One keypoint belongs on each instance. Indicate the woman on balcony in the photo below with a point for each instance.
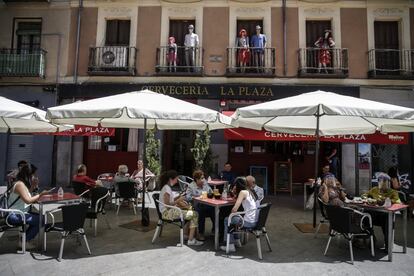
(242, 47)
(172, 55)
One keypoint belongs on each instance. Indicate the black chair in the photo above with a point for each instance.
(324, 216)
(349, 223)
(161, 221)
(127, 191)
(6, 226)
(259, 230)
(73, 218)
(81, 189)
(99, 196)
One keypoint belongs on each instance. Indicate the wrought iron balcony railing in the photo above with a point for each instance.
(323, 63)
(391, 63)
(112, 60)
(22, 63)
(182, 61)
(252, 61)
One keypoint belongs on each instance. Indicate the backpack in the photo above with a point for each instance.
(4, 204)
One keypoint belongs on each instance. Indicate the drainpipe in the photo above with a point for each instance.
(78, 30)
(284, 37)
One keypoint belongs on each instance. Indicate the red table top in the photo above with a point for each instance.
(216, 202)
(217, 182)
(394, 208)
(54, 197)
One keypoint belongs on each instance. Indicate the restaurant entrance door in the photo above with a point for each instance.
(176, 154)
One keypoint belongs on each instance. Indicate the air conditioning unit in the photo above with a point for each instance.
(112, 57)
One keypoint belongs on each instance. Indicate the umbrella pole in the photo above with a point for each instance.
(316, 167)
(144, 211)
(6, 156)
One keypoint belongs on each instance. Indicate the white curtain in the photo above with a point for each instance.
(133, 139)
(94, 142)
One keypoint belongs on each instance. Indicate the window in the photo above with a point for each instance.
(28, 35)
(117, 32)
(123, 140)
(178, 29)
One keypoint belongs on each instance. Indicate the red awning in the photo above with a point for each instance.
(261, 135)
(377, 138)
(87, 131)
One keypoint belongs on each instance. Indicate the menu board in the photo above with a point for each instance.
(283, 176)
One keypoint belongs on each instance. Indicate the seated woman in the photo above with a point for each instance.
(331, 192)
(122, 176)
(380, 193)
(82, 177)
(137, 175)
(169, 179)
(247, 198)
(195, 189)
(21, 199)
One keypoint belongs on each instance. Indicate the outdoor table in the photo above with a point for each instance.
(107, 181)
(390, 211)
(216, 182)
(217, 204)
(67, 198)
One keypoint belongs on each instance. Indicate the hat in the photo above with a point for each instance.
(191, 26)
(258, 27)
(383, 177)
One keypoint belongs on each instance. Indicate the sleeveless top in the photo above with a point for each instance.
(20, 204)
(248, 204)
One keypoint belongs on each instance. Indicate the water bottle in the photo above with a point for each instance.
(319, 181)
(209, 179)
(60, 192)
(387, 203)
(224, 194)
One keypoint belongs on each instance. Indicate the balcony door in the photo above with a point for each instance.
(178, 30)
(117, 32)
(249, 26)
(28, 36)
(314, 30)
(387, 55)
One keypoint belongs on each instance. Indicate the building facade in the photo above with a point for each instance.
(61, 51)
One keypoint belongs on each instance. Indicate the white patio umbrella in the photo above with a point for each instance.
(325, 113)
(140, 109)
(16, 117)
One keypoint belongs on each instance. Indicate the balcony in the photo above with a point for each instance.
(112, 61)
(253, 62)
(391, 64)
(188, 61)
(22, 63)
(310, 65)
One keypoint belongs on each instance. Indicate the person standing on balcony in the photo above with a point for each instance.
(172, 54)
(325, 42)
(259, 44)
(242, 47)
(191, 42)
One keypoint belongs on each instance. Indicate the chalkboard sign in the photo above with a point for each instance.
(260, 174)
(283, 176)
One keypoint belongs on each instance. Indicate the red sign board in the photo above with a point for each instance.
(87, 131)
(377, 138)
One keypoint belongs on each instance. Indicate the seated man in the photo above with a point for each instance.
(82, 177)
(195, 189)
(227, 174)
(380, 193)
(331, 192)
(251, 184)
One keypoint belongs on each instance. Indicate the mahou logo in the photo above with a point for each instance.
(395, 137)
